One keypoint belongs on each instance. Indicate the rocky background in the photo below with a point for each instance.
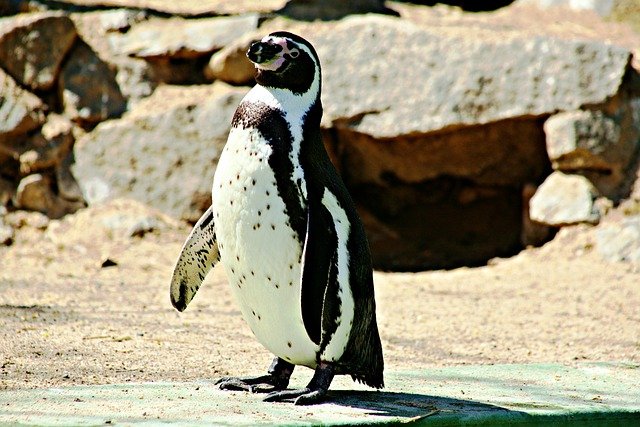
(462, 135)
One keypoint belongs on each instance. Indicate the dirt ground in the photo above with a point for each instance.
(69, 317)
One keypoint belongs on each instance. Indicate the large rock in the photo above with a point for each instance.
(89, 89)
(163, 152)
(563, 200)
(188, 38)
(366, 89)
(20, 111)
(33, 46)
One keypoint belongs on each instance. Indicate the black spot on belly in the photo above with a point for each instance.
(289, 344)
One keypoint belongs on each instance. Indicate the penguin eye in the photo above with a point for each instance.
(294, 53)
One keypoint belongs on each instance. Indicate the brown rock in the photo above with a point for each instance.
(35, 193)
(7, 191)
(20, 111)
(33, 46)
(89, 89)
(101, 30)
(501, 153)
(49, 147)
(68, 187)
(231, 64)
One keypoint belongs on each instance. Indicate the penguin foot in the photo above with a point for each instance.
(314, 392)
(277, 379)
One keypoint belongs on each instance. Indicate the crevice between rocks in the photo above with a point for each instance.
(445, 200)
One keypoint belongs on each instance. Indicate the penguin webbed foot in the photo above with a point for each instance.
(261, 384)
(277, 379)
(314, 392)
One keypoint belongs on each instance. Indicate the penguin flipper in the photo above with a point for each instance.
(199, 254)
(317, 258)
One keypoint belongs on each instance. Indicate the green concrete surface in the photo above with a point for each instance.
(542, 394)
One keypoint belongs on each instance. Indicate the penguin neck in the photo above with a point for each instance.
(293, 106)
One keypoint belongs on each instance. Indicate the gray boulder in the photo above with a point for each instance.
(595, 144)
(188, 38)
(366, 89)
(162, 153)
(33, 46)
(563, 200)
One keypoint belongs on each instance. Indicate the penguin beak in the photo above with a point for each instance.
(264, 52)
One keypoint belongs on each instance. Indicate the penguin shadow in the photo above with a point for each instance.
(413, 407)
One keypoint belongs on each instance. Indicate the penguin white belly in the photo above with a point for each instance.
(259, 249)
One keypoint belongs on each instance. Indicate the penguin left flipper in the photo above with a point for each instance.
(198, 256)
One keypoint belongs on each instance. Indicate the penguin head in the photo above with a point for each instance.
(286, 61)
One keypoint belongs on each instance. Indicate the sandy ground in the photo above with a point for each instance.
(65, 319)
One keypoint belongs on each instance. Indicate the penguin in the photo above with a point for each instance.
(286, 231)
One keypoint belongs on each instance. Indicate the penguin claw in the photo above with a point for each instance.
(303, 396)
(262, 384)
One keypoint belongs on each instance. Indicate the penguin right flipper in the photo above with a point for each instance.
(199, 254)
(318, 256)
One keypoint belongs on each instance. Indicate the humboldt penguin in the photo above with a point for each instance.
(286, 230)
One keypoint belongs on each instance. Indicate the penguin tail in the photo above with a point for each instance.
(363, 359)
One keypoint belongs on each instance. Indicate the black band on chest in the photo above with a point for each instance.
(273, 127)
